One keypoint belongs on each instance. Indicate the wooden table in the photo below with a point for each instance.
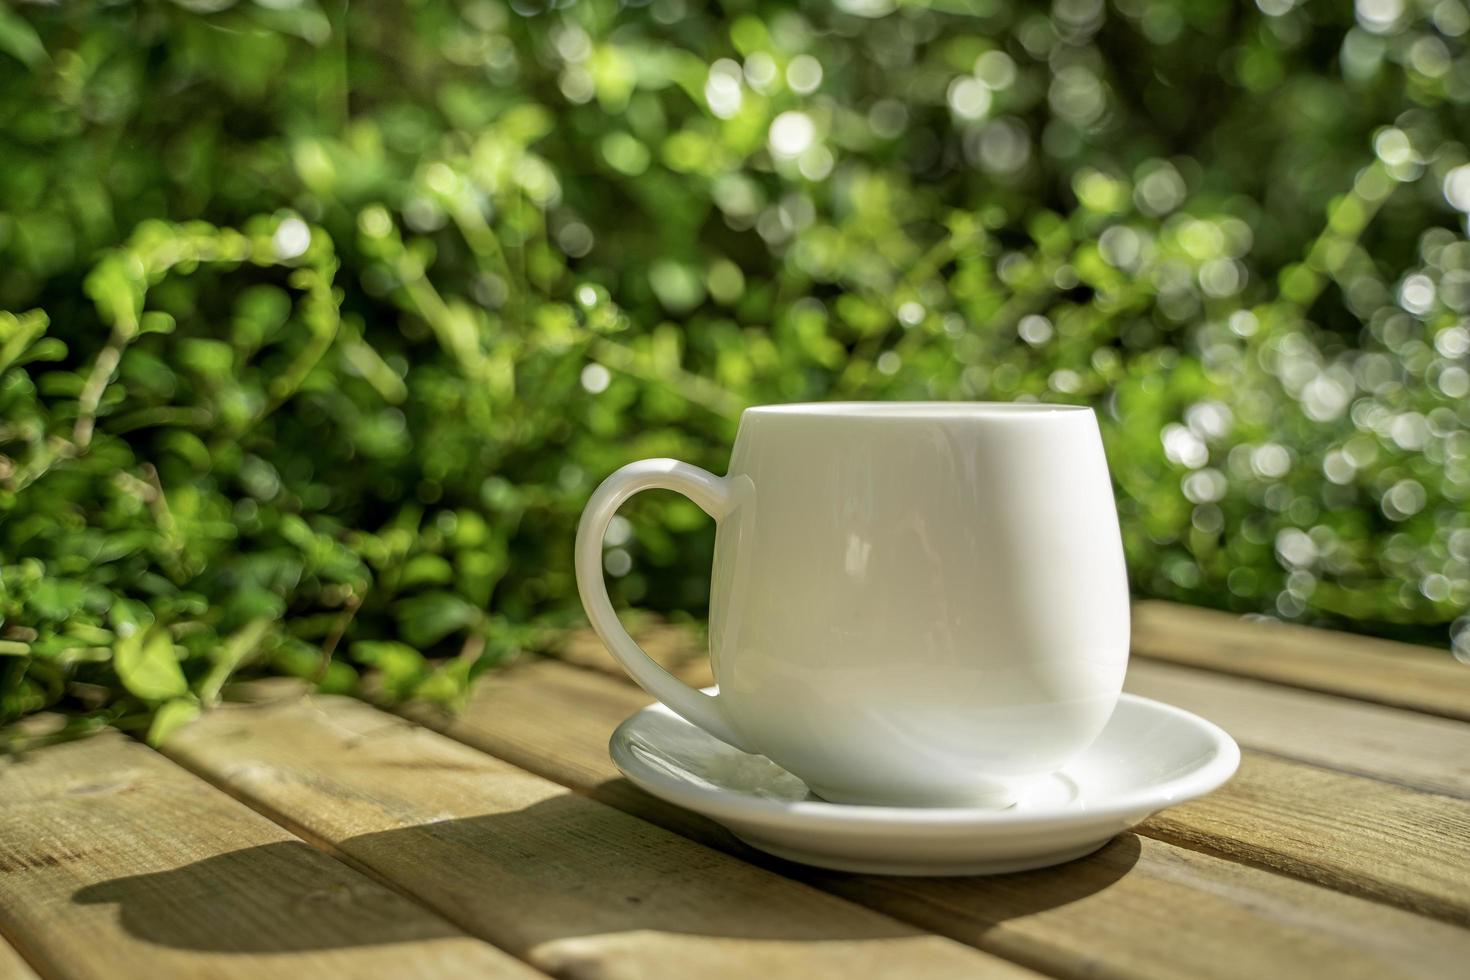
(320, 836)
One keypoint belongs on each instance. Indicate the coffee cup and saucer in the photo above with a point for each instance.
(919, 626)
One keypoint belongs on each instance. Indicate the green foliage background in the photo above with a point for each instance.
(326, 318)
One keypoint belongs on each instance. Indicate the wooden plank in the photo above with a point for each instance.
(681, 650)
(1382, 671)
(12, 967)
(1353, 834)
(1139, 908)
(1368, 669)
(576, 888)
(1357, 835)
(1391, 744)
(1347, 664)
(116, 863)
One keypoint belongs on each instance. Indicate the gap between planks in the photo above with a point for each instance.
(573, 886)
(116, 863)
(1140, 907)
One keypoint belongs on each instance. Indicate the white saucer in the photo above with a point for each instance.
(1149, 756)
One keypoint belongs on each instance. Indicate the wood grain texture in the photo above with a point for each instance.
(577, 888)
(1392, 744)
(1139, 908)
(1381, 671)
(12, 967)
(116, 863)
(1353, 834)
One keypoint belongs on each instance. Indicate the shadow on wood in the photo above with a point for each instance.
(248, 888)
(551, 882)
(993, 898)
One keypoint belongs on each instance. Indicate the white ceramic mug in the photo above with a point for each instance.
(912, 603)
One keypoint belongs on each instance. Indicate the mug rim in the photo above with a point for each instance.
(930, 410)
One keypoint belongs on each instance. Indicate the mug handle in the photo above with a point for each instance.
(712, 494)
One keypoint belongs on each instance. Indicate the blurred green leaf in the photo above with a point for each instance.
(20, 40)
(147, 666)
(428, 618)
(171, 716)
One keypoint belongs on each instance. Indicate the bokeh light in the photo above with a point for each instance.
(379, 294)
